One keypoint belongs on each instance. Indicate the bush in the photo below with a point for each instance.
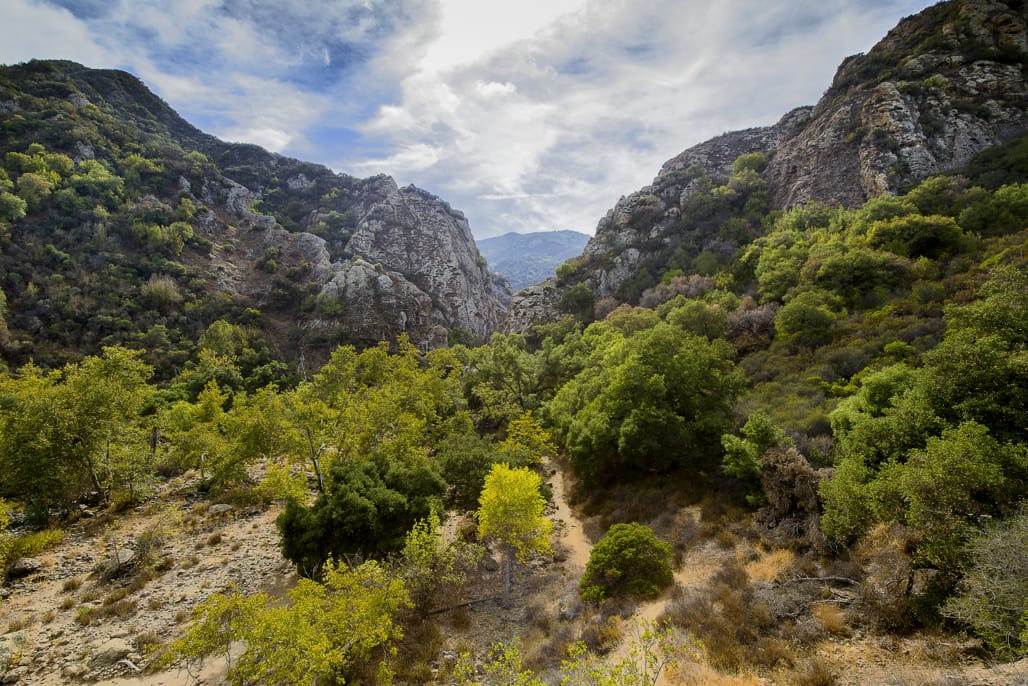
(993, 597)
(629, 561)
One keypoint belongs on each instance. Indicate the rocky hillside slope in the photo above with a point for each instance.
(939, 88)
(308, 257)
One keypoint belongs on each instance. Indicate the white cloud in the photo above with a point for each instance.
(31, 29)
(545, 125)
(531, 115)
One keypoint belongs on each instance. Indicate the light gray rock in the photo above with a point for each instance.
(16, 675)
(219, 509)
(26, 566)
(10, 645)
(110, 652)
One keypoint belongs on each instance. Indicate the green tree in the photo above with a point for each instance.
(742, 454)
(34, 189)
(107, 394)
(511, 513)
(367, 509)
(526, 443)
(333, 632)
(61, 432)
(808, 317)
(628, 561)
(502, 377)
(12, 208)
(464, 459)
(917, 235)
(653, 400)
(432, 567)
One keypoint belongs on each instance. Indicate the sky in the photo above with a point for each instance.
(527, 115)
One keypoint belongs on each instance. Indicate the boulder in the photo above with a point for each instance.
(110, 653)
(10, 644)
(26, 566)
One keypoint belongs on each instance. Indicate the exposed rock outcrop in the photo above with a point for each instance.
(410, 266)
(941, 87)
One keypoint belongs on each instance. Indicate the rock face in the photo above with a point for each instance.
(908, 109)
(405, 263)
(942, 86)
(410, 265)
(414, 233)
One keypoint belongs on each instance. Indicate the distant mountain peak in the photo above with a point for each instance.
(528, 258)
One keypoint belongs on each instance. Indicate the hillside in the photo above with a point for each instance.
(941, 87)
(528, 258)
(123, 223)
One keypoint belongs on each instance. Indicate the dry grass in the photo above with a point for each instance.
(72, 584)
(770, 565)
(815, 672)
(693, 674)
(19, 624)
(832, 618)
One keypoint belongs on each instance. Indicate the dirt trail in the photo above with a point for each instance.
(569, 527)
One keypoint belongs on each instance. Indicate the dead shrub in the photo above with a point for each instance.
(832, 618)
(725, 539)
(815, 672)
(121, 609)
(537, 616)
(72, 584)
(883, 602)
(460, 619)
(421, 643)
(601, 636)
(148, 642)
(769, 652)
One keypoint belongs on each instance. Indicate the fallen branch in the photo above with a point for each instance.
(824, 579)
(466, 603)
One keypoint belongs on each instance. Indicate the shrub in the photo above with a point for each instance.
(993, 597)
(630, 560)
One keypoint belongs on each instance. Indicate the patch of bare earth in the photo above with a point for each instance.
(87, 620)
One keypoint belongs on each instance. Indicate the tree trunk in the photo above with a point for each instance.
(315, 461)
(506, 576)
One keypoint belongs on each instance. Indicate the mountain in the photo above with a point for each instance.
(123, 223)
(941, 87)
(528, 258)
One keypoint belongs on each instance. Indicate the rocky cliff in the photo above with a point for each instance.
(324, 258)
(942, 86)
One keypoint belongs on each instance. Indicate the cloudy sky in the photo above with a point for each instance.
(528, 115)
